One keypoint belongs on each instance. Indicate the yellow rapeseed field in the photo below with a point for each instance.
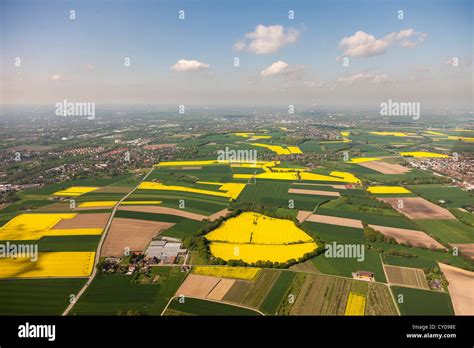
(230, 190)
(140, 202)
(252, 135)
(256, 252)
(97, 204)
(355, 304)
(49, 264)
(75, 191)
(252, 237)
(302, 175)
(364, 159)
(256, 228)
(245, 273)
(345, 134)
(336, 141)
(424, 154)
(280, 150)
(393, 134)
(36, 226)
(463, 139)
(387, 189)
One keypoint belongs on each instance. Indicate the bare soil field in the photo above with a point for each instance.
(131, 233)
(314, 192)
(384, 167)
(461, 285)
(221, 289)
(415, 238)
(331, 220)
(418, 208)
(466, 249)
(404, 276)
(197, 285)
(83, 221)
(217, 215)
(306, 266)
(337, 187)
(164, 210)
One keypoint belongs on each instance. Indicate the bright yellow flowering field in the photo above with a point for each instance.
(256, 252)
(36, 226)
(252, 237)
(49, 264)
(280, 150)
(75, 191)
(230, 190)
(393, 134)
(245, 273)
(255, 228)
(387, 189)
(363, 159)
(288, 175)
(355, 304)
(424, 154)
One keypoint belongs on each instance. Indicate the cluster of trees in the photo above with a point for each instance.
(9, 197)
(371, 235)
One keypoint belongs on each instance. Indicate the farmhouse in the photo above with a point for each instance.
(363, 275)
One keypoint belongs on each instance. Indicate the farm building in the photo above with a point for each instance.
(364, 275)
(165, 251)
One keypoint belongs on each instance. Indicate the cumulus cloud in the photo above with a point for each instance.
(364, 77)
(282, 69)
(56, 77)
(267, 39)
(362, 44)
(184, 65)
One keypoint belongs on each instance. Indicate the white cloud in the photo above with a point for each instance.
(184, 65)
(364, 77)
(282, 69)
(56, 77)
(267, 39)
(362, 44)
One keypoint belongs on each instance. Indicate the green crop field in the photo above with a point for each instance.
(333, 233)
(275, 296)
(453, 196)
(117, 294)
(193, 306)
(37, 296)
(451, 231)
(345, 266)
(422, 302)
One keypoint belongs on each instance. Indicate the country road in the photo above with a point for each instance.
(99, 247)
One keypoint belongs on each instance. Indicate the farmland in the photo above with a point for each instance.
(423, 302)
(192, 306)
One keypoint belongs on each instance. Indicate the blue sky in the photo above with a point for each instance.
(83, 58)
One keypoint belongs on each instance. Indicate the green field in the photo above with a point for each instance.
(117, 294)
(332, 233)
(451, 231)
(279, 289)
(345, 266)
(37, 296)
(422, 302)
(192, 306)
(452, 195)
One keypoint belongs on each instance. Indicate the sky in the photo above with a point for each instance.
(351, 54)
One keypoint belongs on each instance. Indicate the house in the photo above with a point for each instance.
(363, 275)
